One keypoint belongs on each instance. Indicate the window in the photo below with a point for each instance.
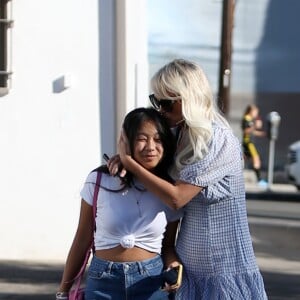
(6, 23)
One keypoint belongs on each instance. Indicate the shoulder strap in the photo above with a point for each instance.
(88, 252)
(96, 192)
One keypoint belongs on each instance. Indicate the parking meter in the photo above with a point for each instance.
(273, 119)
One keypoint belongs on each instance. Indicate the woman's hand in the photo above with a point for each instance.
(124, 150)
(115, 163)
(115, 166)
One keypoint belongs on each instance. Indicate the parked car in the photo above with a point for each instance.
(293, 164)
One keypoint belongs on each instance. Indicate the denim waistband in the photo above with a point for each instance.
(131, 266)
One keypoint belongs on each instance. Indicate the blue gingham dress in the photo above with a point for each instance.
(214, 242)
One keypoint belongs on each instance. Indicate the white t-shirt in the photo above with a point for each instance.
(131, 217)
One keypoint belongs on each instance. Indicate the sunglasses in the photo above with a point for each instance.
(163, 104)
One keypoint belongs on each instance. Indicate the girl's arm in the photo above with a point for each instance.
(259, 133)
(168, 246)
(170, 258)
(82, 241)
(175, 196)
(254, 130)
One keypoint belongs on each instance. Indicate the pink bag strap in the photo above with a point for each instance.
(96, 192)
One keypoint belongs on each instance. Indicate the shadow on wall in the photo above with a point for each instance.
(61, 83)
(278, 74)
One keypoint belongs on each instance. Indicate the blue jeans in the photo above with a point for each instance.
(140, 280)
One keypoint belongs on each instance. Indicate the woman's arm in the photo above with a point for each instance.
(82, 241)
(175, 196)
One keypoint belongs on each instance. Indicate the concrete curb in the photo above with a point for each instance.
(274, 196)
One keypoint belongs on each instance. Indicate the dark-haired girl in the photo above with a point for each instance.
(130, 221)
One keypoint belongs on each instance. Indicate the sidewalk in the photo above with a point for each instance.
(277, 191)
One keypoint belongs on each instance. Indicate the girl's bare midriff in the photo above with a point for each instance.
(120, 254)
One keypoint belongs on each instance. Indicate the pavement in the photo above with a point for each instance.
(39, 280)
(280, 189)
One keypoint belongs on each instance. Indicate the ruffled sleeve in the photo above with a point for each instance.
(223, 160)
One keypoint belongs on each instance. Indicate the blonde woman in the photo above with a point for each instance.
(214, 243)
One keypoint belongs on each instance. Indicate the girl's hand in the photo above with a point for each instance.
(175, 286)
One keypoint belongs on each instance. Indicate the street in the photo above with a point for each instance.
(276, 209)
(275, 229)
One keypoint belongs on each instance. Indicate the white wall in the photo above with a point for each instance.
(123, 64)
(131, 58)
(49, 138)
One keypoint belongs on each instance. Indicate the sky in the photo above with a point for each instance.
(184, 22)
(192, 29)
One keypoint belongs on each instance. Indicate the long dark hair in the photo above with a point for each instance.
(131, 125)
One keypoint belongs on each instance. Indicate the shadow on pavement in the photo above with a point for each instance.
(29, 280)
(35, 296)
(25, 280)
(282, 286)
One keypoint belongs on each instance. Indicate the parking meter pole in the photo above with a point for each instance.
(273, 129)
(271, 163)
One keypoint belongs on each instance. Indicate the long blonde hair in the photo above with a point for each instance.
(185, 80)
